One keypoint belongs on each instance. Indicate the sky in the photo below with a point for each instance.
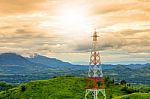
(63, 29)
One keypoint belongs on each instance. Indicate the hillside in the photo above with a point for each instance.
(135, 96)
(58, 88)
(122, 72)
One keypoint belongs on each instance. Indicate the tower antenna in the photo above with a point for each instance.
(95, 75)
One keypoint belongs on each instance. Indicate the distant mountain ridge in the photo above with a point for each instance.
(12, 59)
(58, 63)
(52, 62)
(14, 68)
(16, 59)
(13, 63)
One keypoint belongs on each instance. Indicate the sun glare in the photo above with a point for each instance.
(70, 19)
(73, 18)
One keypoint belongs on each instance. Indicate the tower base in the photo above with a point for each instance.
(95, 93)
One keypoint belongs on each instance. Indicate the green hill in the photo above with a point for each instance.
(58, 88)
(135, 96)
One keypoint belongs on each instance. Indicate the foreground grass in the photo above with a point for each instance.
(57, 88)
(135, 96)
(63, 88)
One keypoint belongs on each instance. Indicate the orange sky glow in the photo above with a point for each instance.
(62, 29)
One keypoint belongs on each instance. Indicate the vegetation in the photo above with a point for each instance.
(67, 87)
(123, 82)
(135, 96)
(6, 86)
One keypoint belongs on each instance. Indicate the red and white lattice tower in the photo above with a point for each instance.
(95, 81)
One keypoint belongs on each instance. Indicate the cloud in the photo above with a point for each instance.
(113, 6)
(143, 0)
(27, 40)
(8, 7)
(131, 41)
(134, 32)
(29, 26)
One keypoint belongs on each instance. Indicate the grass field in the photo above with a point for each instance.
(64, 88)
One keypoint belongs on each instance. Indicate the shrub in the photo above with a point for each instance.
(123, 82)
(23, 88)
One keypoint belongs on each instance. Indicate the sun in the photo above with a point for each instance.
(69, 19)
(73, 18)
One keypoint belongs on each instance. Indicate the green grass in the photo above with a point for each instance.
(135, 96)
(62, 88)
(56, 88)
(6, 86)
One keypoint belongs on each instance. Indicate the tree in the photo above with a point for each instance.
(108, 81)
(123, 82)
(23, 88)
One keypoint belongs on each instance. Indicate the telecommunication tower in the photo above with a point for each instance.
(95, 81)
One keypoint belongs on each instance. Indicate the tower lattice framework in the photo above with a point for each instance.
(95, 81)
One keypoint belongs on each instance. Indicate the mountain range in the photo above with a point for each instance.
(12, 63)
(15, 68)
